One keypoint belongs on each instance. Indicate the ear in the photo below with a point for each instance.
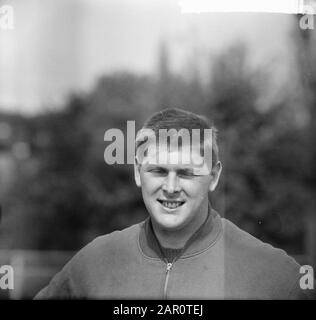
(137, 173)
(215, 174)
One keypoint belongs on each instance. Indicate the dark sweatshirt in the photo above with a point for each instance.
(220, 262)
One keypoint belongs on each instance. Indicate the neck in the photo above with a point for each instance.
(176, 239)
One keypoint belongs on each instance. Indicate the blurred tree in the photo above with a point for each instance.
(71, 195)
(305, 49)
(51, 201)
(264, 161)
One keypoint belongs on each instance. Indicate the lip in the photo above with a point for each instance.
(175, 201)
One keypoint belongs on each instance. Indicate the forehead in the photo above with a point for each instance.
(188, 156)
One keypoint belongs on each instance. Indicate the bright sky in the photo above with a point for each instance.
(58, 46)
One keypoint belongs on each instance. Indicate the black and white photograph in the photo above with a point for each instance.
(157, 150)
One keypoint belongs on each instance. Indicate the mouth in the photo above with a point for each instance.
(171, 204)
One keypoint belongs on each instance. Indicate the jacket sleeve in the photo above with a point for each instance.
(70, 282)
(297, 293)
(58, 288)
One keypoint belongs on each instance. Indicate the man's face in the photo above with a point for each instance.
(174, 195)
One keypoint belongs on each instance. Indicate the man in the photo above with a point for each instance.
(184, 249)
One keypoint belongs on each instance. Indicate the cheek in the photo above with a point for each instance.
(149, 185)
(196, 189)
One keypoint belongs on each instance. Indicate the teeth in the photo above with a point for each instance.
(171, 204)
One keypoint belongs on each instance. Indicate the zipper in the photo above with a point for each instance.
(168, 269)
(170, 264)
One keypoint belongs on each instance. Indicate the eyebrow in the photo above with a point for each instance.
(185, 170)
(157, 167)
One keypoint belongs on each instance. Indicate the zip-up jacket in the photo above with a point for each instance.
(220, 262)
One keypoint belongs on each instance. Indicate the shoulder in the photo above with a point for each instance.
(115, 238)
(265, 266)
(240, 239)
(91, 262)
(240, 243)
(107, 245)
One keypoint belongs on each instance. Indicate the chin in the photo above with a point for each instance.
(168, 223)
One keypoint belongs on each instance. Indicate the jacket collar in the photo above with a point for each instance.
(205, 237)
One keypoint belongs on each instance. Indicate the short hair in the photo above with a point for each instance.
(175, 118)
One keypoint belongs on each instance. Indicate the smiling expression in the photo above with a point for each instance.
(175, 197)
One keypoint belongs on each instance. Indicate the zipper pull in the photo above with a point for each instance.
(169, 266)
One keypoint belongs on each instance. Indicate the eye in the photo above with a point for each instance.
(186, 173)
(158, 171)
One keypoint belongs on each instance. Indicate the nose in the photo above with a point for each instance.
(171, 183)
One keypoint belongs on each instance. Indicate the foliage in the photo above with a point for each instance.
(74, 196)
